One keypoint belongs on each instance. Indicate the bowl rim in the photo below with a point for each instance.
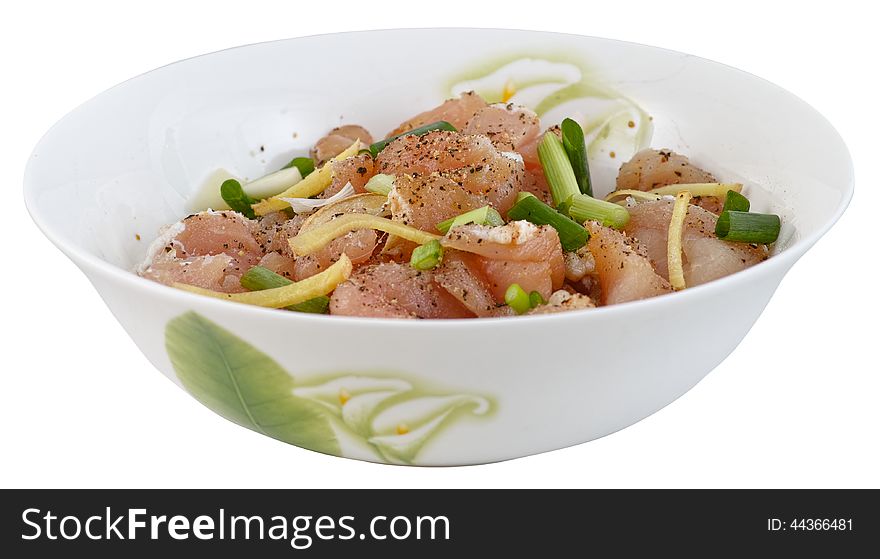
(778, 264)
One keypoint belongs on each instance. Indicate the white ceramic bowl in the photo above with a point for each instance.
(417, 392)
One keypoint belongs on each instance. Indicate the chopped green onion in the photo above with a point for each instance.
(427, 256)
(523, 195)
(316, 305)
(234, 195)
(746, 227)
(735, 202)
(517, 299)
(536, 299)
(307, 187)
(583, 208)
(259, 278)
(572, 235)
(487, 215)
(269, 185)
(380, 184)
(576, 148)
(304, 164)
(557, 168)
(439, 125)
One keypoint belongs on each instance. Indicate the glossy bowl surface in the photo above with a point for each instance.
(108, 175)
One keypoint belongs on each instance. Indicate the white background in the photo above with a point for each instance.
(796, 405)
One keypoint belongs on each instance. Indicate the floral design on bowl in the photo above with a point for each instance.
(371, 417)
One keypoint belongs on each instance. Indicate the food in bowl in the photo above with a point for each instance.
(467, 210)
(427, 392)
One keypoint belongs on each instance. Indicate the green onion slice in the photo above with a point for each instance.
(427, 256)
(517, 299)
(536, 299)
(304, 164)
(735, 202)
(576, 149)
(571, 234)
(316, 305)
(234, 195)
(747, 227)
(380, 184)
(487, 215)
(557, 168)
(583, 208)
(259, 278)
(439, 125)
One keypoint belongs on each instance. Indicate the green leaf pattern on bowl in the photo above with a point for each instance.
(378, 417)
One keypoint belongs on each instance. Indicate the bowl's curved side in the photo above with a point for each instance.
(444, 396)
(430, 392)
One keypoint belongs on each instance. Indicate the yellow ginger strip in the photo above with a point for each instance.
(719, 189)
(368, 203)
(673, 240)
(309, 288)
(312, 185)
(320, 236)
